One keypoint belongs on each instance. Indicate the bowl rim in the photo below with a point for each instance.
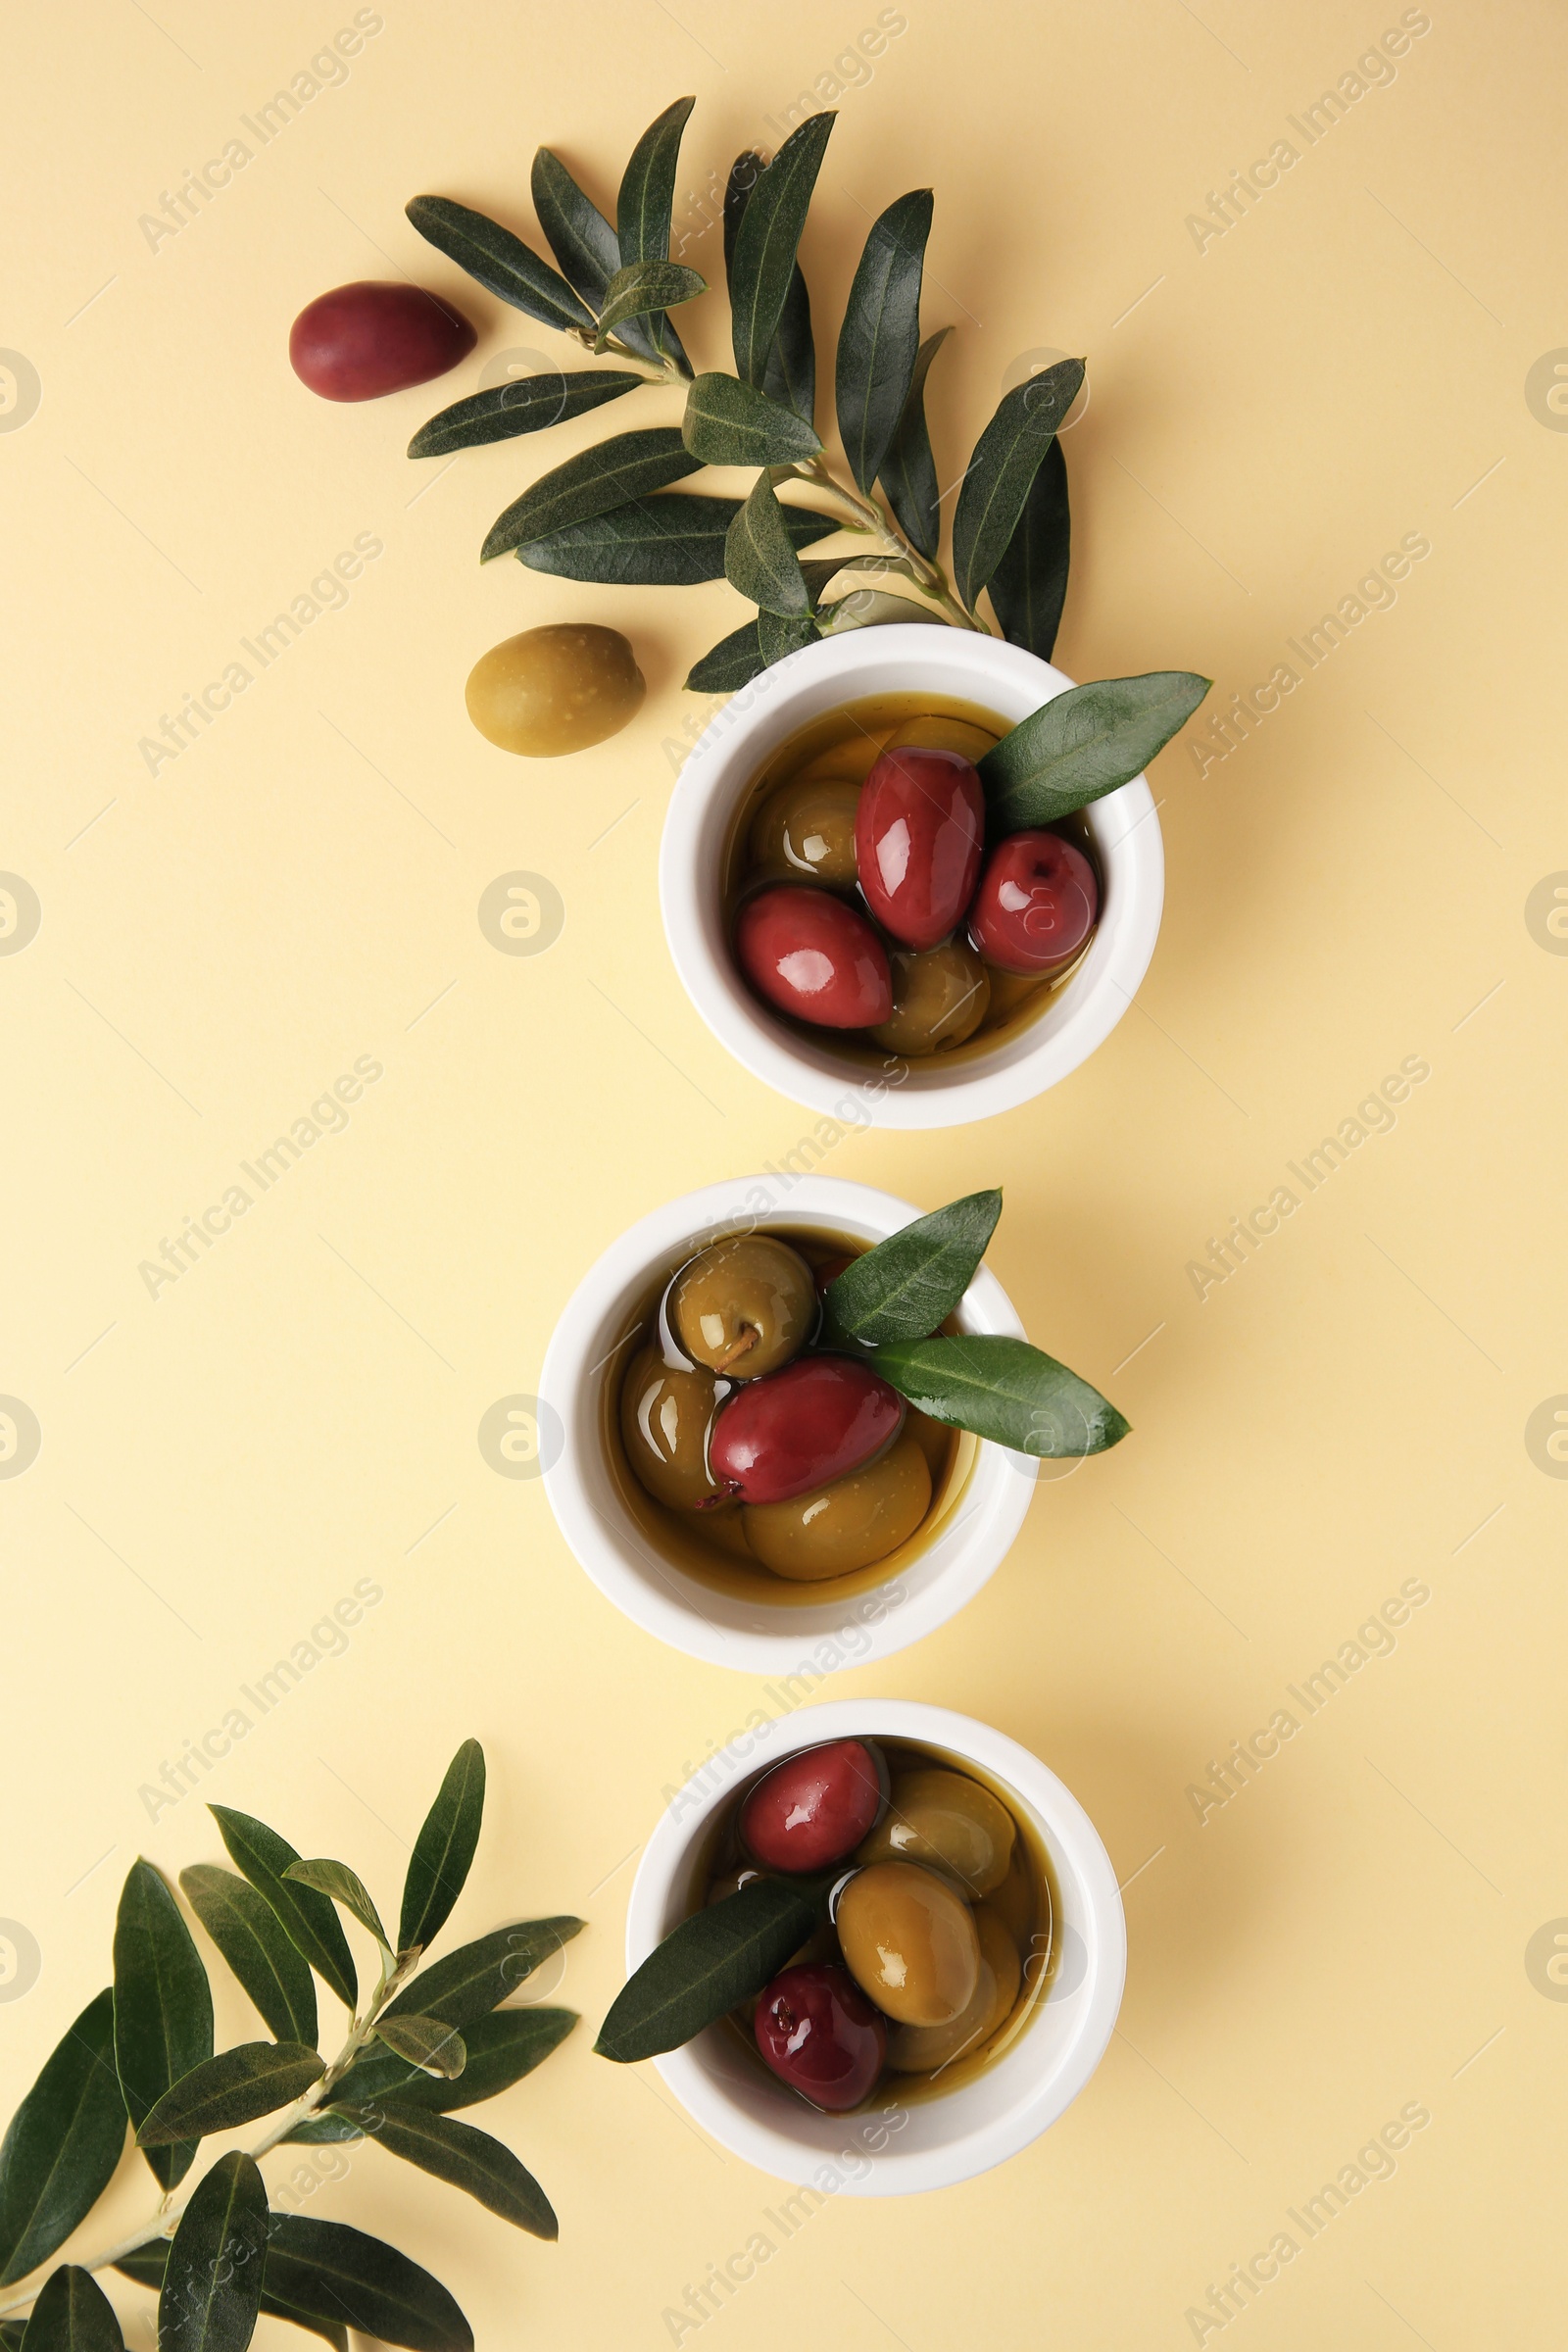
(1027, 2099)
(790, 1638)
(1124, 828)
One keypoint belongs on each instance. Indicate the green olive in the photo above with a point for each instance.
(1010, 992)
(947, 1822)
(853, 756)
(555, 689)
(664, 1413)
(809, 830)
(909, 1942)
(745, 1306)
(847, 1524)
(1017, 1902)
(940, 998)
(922, 2049)
(935, 734)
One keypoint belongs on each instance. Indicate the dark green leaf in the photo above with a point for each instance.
(344, 1886)
(778, 637)
(790, 374)
(162, 2008)
(642, 289)
(672, 540)
(527, 405)
(646, 201)
(72, 2314)
(1029, 585)
(249, 1934)
(593, 483)
(12, 2333)
(881, 334)
(468, 1982)
(146, 2267)
(426, 2043)
(331, 2272)
(729, 664)
(1084, 743)
(466, 2159)
(232, 2089)
(909, 1285)
(443, 1849)
(1006, 460)
(870, 608)
(909, 471)
(501, 263)
(759, 558)
(582, 242)
(212, 2288)
(720, 1955)
(731, 423)
(310, 1921)
(63, 2143)
(1004, 1390)
(765, 243)
(500, 2049)
(145, 2264)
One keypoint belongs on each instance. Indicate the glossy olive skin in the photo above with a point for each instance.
(665, 1417)
(369, 338)
(745, 1306)
(949, 1823)
(809, 830)
(814, 1808)
(909, 1942)
(817, 2031)
(554, 690)
(921, 2049)
(850, 1523)
(918, 834)
(1036, 905)
(812, 955)
(940, 998)
(818, 1419)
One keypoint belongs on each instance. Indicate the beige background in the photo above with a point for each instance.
(1348, 888)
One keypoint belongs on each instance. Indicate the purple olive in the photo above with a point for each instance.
(1036, 905)
(918, 829)
(369, 339)
(814, 1808)
(810, 955)
(820, 2033)
(817, 1419)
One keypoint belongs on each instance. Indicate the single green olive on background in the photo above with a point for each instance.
(909, 1942)
(554, 689)
(745, 1306)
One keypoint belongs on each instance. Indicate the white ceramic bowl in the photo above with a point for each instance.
(797, 1636)
(724, 764)
(891, 2148)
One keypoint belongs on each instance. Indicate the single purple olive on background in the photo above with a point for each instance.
(814, 1808)
(820, 1418)
(810, 955)
(919, 830)
(366, 339)
(1036, 903)
(820, 2033)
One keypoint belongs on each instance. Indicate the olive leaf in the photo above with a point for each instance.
(466, 2159)
(582, 241)
(72, 2313)
(328, 2271)
(908, 473)
(63, 2144)
(212, 2290)
(342, 1885)
(312, 1925)
(881, 334)
(162, 2008)
(594, 482)
(644, 288)
(789, 375)
(731, 664)
(908, 1285)
(766, 242)
(760, 558)
(730, 423)
(720, 1955)
(426, 2042)
(501, 2050)
(444, 1849)
(232, 2089)
(147, 2263)
(250, 1937)
(528, 403)
(500, 262)
(1029, 585)
(646, 202)
(1004, 1389)
(672, 540)
(778, 636)
(1006, 458)
(468, 1982)
(870, 608)
(1084, 743)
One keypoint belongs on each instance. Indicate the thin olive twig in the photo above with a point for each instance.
(865, 515)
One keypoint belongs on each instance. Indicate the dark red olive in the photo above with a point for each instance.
(1036, 905)
(814, 1808)
(829, 1271)
(363, 340)
(818, 1419)
(810, 955)
(820, 2033)
(919, 830)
